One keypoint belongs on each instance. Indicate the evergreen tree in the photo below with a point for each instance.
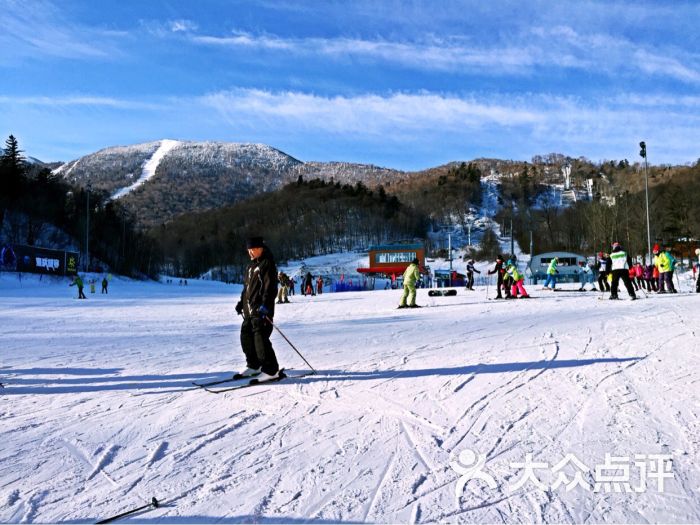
(12, 171)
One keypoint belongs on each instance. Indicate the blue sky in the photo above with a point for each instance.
(401, 84)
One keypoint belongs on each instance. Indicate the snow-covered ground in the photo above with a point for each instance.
(98, 415)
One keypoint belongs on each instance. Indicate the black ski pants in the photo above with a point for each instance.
(470, 280)
(625, 276)
(603, 282)
(255, 341)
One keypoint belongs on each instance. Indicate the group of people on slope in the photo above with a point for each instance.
(508, 279)
(306, 286)
(655, 277)
(78, 282)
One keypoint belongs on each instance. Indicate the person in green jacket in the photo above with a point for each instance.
(79, 283)
(552, 274)
(663, 265)
(410, 277)
(517, 278)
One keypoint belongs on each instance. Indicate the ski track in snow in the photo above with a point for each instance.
(397, 397)
(149, 167)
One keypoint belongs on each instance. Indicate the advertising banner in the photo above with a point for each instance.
(33, 259)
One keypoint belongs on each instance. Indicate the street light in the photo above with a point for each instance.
(643, 154)
(87, 229)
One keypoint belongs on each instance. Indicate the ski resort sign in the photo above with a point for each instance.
(33, 259)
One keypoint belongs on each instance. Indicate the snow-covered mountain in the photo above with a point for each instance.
(162, 179)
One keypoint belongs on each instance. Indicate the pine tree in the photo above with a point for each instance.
(12, 171)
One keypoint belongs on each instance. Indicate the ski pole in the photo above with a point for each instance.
(290, 343)
(154, 503)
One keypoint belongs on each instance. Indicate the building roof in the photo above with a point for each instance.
(395, 247)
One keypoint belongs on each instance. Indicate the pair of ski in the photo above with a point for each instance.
(240, 382)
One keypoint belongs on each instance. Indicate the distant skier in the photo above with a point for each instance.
(309, 284)
(517, 278)
(604, 268)
(620, 270)
(282, 295)
(672, 261)
(470, 274)
(410, 278)
(257, 305)
(697, 284)
(639, 274)
(105, 283)
(663, 266)
(651, 277)
(552, 274)
(77, 281)
(499, 271)
(319, 285)
(585, 276)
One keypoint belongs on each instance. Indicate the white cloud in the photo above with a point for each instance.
(558, 46)
(39, 28)
(81, 101)
(534, 123)
(182, 26)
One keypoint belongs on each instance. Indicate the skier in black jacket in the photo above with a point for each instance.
(604, 268)
(470, 274)
(257, 305)
(499, 271)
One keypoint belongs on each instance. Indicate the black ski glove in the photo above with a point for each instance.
(239, 307)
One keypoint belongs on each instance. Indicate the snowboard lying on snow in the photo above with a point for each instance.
(436, 293)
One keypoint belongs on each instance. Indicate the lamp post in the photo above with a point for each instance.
(87, 229)
(643, 154)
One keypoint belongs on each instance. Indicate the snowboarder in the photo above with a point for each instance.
(105, 283)
(79, 283)
(517, 278)
(499, 271)
(620, 270)
(410, 277)
(552, 274)
(257, 305)
(470, 274)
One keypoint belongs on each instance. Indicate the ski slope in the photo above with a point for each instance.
(149, 167)
(97, 417)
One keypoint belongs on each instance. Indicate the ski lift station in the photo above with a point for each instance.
(568, 266)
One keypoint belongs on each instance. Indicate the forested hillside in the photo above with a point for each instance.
(38, 205)
(304, 218)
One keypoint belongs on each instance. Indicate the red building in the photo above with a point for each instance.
(391, 260)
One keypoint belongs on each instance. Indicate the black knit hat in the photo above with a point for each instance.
(255, 242)
(415, 261)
